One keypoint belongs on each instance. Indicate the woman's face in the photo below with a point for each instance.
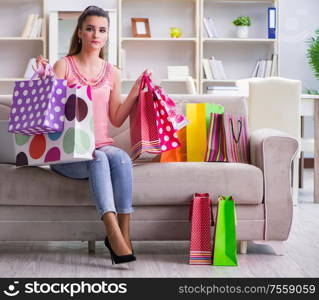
(94, 32)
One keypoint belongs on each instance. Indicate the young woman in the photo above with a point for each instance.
(110, 172)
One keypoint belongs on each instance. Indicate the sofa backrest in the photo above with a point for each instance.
(4, 112)
(232, 104)
(121, 136)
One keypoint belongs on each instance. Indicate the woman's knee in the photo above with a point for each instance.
(99, 156)
(118, 156)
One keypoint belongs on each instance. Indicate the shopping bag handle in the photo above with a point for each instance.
(232, 129)
(146, 80)
(204, 195)
(40, 70)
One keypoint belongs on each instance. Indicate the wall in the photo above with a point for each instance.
(298, 21)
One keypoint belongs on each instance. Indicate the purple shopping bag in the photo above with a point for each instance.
(38, 104)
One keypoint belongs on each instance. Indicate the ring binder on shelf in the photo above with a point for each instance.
(271, 22)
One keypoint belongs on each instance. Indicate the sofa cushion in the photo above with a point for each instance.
(153, 184)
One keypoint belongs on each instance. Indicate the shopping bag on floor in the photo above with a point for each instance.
(201, 217)
(38, 104)
(225, 243)
(236, 134)
(150, 128)
(75, 143)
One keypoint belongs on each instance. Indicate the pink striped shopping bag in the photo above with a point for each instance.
(216, 142)
(236, 134)
(201, 217)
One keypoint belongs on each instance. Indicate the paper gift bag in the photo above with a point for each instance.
(225, 243)
(75, 143)
(196, 131)
(38, 105)
(201, 217)
(175, 115)
(150, 128)
(198, 115)
(179, 154)
(236, 134)
(216, 140)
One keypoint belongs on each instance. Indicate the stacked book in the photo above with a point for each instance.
(210, 27)
(222, 90)
(214, 69)
(265, 68)
(33, 27)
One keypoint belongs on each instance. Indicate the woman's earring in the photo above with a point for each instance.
(79, 41)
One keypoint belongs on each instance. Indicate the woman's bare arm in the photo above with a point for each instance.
(59, 69)
(118, 111)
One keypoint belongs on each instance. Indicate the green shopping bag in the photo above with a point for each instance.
(225, 244)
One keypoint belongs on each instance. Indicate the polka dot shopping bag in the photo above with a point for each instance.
(201, 217)
(75, 143)
(151, 129)
(38, 104)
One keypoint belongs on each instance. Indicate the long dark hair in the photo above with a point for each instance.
(76, 44)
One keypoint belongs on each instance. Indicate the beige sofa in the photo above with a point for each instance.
(39, 205)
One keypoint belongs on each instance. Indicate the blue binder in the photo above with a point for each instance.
(271, 22)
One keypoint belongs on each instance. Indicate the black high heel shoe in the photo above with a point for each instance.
(132, 247)
(118, 259)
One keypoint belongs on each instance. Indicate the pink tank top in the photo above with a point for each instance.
(101, 87)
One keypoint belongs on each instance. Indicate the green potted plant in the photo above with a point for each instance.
(242, 24)
(313, 53)
(313, 58)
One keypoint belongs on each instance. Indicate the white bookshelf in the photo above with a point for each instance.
(238, 40)
(16, 51)
(160, 50)
(20, 39)
(159, 39)
(239, 56)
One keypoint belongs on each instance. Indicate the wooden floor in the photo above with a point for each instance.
(170, 259)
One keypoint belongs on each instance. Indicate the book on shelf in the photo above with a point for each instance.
(207, 69)
(27, 26)
(221, 69)
(216, 69)
(190, 85)
(255, 71)
(265, 68)
(268, 68)
(273, 71)
(210, 27)
(261, 69)
(33, 27)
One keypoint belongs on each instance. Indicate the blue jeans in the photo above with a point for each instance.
(110, 179)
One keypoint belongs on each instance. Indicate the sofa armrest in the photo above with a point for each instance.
(273, 151)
